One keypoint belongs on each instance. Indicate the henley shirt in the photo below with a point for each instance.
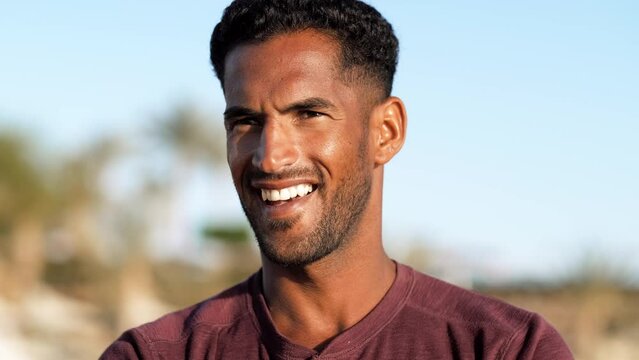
(420, 317)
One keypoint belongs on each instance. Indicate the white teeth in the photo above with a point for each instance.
(286, 193)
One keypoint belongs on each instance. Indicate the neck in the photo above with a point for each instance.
(312, 304)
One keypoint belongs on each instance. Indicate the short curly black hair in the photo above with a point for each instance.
(367, 41)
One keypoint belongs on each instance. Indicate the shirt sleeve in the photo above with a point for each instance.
(129, 346)
(537, 340)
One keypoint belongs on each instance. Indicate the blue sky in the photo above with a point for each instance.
(523, 115)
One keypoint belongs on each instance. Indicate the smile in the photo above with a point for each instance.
(287, 193)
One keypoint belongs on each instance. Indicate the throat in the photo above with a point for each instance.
(311, 313)
(315, 333)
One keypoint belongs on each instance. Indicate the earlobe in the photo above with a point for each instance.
(391, 129)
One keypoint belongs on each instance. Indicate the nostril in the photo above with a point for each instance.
(277, 147)
(275, 157)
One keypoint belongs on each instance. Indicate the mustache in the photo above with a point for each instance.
(301, 172)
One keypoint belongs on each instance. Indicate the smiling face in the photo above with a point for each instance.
(298, 145)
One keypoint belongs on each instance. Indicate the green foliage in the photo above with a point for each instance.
(74, 272)
(22, 187)
(190, 135)
(77, 179)
(596, 269)
(228, 233)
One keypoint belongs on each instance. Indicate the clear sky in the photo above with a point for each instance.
(523, 147)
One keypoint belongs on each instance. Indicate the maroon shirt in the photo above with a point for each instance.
(420, 317)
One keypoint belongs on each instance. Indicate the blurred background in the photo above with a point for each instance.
(518, 179)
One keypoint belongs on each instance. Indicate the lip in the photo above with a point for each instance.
(281, 184)
(284, 209)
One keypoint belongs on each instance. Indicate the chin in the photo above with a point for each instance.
(295, 252)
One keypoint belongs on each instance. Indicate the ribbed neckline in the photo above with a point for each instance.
(351, 339)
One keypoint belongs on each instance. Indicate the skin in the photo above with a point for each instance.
(291, 118)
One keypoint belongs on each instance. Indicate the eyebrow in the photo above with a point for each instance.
(239, 111)
(314, 103)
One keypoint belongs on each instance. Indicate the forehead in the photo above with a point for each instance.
(297, 63)
(288, 45)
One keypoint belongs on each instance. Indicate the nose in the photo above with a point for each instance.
(276, 150)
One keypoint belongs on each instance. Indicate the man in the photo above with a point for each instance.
(310, 124)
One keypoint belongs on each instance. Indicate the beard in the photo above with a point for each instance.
(339, 218)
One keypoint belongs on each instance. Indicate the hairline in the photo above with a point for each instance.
(347, 74)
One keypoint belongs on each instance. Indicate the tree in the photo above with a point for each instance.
(24, 203)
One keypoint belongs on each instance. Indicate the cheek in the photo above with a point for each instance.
(238, 153)
(231, 153)
(339, 152)
(333, 139)
(326, 147)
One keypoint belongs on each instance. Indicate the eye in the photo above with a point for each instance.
(241, 123)
(309, 114)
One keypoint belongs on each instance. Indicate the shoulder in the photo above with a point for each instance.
(455, 304)
(465, 316)
(203, 320)
(221, 310)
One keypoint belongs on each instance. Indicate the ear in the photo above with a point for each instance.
(390, 129)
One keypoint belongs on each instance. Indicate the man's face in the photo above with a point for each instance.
(297, 142)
